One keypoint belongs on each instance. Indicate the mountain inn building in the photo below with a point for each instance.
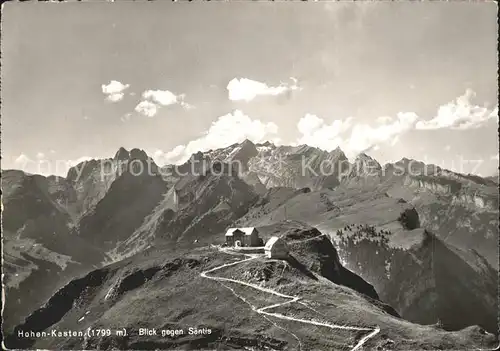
(242, 237)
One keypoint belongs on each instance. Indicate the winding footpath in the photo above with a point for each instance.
(291, 299)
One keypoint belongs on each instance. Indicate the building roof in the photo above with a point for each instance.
(271, 242)
(245, 230)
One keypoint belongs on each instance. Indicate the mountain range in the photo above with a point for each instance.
(407, 247)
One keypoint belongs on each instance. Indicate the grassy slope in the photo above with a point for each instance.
(159, 292)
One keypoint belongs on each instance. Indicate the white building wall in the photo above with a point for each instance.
(277, 250)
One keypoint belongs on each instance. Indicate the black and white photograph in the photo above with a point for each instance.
(250, 175)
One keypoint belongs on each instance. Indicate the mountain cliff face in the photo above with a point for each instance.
(364, 166)
(92, 179)
(298, 167)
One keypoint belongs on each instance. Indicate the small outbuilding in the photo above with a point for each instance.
(243, 237)
(276, 248)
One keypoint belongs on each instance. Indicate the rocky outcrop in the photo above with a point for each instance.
(409, 219)
(311, 248)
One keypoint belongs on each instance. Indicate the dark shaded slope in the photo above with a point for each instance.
(122, 210)
(425, 280)
(464, 279)
(25, 198)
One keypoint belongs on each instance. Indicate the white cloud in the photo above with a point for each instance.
(42, 165)
(158, 153)
(170, 157)
(226, 130)
(153, 100)
(309, 123)
(147, 108)
(114, 90)
(362, 137)
(186, 106)
(114, 97)
(315, 132)
(175, 153)
(22, 161)
(244, 89)
(384, 119)
(460, 114)
(160, 97)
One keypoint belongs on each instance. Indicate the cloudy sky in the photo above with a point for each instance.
(416, 80)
